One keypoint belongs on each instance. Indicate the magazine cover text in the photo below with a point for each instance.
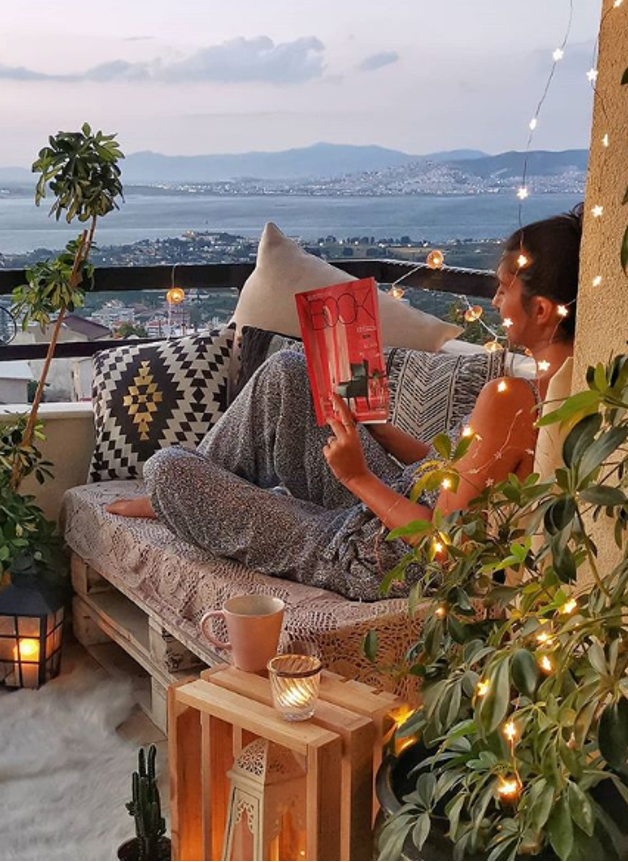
(343, 349)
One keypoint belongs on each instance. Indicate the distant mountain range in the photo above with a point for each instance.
(323, 161)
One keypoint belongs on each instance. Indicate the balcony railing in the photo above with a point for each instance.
(226, 276)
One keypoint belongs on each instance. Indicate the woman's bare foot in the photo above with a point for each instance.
(137, 507)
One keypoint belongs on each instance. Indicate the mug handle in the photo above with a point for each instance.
(204, 626)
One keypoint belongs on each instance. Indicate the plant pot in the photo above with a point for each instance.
(130, 850)
(393, 782)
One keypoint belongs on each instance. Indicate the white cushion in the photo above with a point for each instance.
(284, 269)
(549, 443)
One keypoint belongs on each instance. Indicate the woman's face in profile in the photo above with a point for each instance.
(508, 301)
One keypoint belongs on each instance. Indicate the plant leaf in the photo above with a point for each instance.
(560, 828)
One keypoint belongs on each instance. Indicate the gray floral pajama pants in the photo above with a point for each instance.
(228, 496)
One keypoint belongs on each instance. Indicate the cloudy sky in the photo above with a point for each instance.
(210, 76)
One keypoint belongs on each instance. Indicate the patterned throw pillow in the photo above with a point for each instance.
(432, 392)
(151, 396)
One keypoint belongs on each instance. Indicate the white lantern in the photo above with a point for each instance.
(266, 812)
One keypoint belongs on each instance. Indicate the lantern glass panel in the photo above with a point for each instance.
(7, 626)
(28, 627)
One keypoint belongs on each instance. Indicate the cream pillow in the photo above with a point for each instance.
(284, 269)
(549, 443)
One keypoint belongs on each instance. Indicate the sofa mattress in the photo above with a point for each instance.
(177, 583)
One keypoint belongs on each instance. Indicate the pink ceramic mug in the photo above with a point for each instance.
(253, 624)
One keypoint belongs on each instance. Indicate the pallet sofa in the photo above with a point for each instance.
(140, 592)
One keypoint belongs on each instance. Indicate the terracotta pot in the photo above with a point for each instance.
(130, 850)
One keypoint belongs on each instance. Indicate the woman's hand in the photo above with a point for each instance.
(343, 451)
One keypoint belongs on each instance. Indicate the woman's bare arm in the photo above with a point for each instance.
(403, 446)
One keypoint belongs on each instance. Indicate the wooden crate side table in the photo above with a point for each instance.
(202, 717)
(205, 741)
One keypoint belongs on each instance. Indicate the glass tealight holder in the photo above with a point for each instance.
(294, 684)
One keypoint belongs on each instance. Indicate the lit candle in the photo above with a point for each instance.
(294, 684)
(28, 652)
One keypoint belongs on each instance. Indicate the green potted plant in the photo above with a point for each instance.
(81, 170)
(150, 840)
(522, 734)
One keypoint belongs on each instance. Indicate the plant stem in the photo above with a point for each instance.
(80, 257)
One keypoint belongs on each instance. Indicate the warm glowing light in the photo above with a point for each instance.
(597, 211)
(523, 193)
(509, 788)
(493, 346)
(438, 547)
(545, 638)
(533, 123)
(617, 3)
(569, 607)
(592, 75)
(467, 431)
(522, 260)
(543, 365)
(397, 292)
(175, 296)
(507, 322)
(473, 313)
(562, 311)
(440, 612)
(606, 140)
(435, 259)
(29, 649)
(597, 281)
(401, 714)
(546, 665)
(446, 483)
(482, 687)
(558, 55)
(502, 386)
(510, 731)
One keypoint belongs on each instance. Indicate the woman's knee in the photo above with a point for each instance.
(170, 466)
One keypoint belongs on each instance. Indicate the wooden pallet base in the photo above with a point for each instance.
(128, 642)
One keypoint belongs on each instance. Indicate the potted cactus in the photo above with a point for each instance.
(150, 840)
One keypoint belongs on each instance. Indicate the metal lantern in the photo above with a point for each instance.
(266, 813)
(31, 629)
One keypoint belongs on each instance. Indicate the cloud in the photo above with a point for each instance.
(236, 61)
(378, 61)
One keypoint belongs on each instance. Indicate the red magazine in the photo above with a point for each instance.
(343, 348)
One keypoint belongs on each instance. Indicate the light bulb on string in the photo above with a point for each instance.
(533, 123)
(562, 311)
(467, 431)
(558, 55)
(507, 322)
(523, 193)
(592, 75)
(617, 3)
(606, 140)
(473, 313)
(502, 386)
(597, 211)
(441, 612)
(597, 281)
(435, 259)
(493, 347)
(175, 296)
(482, 688)
(522, 261)
(569, 607)
(509, 788)
(510, 731)
(545, 664)
(397, 292)
(543, 365)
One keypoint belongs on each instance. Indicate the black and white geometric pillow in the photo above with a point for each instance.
(151, 396)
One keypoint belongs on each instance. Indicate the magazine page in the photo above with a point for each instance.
(343, 348)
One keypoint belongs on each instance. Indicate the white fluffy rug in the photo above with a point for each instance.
(64, 773)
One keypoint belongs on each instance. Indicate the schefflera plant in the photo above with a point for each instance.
(524, 679)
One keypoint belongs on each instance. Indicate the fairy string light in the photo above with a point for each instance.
(557, 56)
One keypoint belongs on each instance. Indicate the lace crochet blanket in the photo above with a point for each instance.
(178, 583)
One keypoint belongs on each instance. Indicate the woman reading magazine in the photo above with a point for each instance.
(258, 489)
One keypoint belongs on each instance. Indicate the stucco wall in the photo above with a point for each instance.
(602, 321)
